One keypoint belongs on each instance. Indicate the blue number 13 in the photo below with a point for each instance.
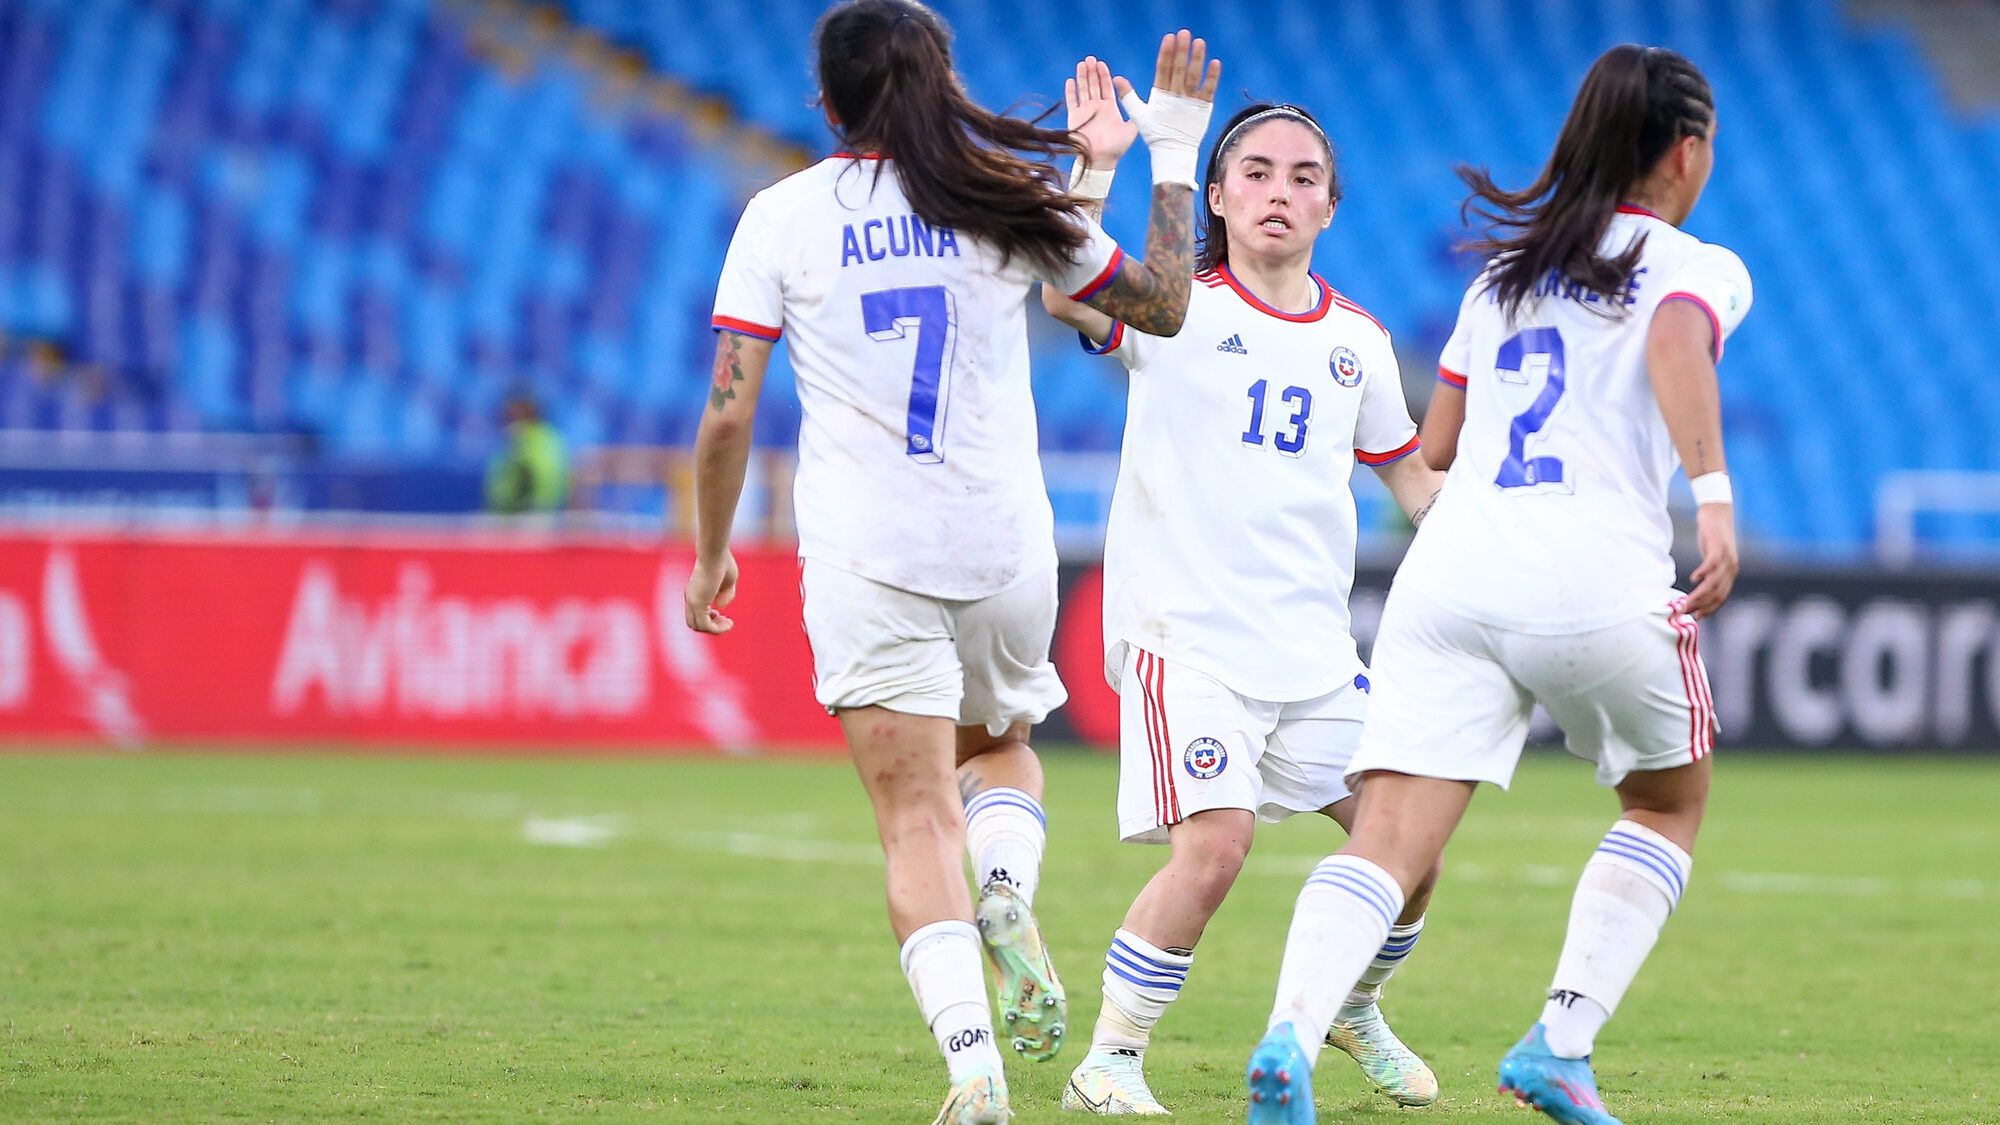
(886, 314)
(1519, 470)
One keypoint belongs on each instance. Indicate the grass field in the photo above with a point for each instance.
(237, 938)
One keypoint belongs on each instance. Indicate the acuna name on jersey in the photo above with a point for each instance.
(1560, 284)
(898, 236)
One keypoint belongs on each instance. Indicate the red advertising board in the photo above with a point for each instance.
(394, 639)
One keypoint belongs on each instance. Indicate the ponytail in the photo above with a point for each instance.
(1635, 104)
(885, 70)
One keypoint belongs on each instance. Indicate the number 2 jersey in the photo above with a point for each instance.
(1230, 546)
(918, 462)
(1553, 518)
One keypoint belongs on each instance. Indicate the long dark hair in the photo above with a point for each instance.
(885, 71)
(1635, 104)
(1213, 247)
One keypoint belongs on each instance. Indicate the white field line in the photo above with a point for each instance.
(785, 841)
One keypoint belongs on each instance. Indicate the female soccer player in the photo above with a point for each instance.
(1582, 364)
(900, 267)
(1227, 564)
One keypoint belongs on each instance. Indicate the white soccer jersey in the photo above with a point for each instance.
(1230, 547)
(917, 451)
(1553, 518)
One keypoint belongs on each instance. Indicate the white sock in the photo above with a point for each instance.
(1005, 831)
(1402, 938)
(1140, 980)
(1342, 917)
(1625, 895)
(948, 977)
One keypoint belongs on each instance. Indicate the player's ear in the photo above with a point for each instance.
(1332, 205)
(1215, 199)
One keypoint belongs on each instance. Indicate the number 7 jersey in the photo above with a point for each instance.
(1553, 518)
(918, 459)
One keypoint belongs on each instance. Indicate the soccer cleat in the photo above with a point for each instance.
(979, 1100)
(1280, 1081)
(1112, 1085)
(1032, 1003)
(1565, 1089)
(1391, 1067)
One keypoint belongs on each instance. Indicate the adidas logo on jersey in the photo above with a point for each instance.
(1233, 345)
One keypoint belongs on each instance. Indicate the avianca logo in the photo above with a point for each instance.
(98, 692)
(1233, 345)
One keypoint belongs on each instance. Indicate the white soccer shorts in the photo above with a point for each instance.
(978, 663)
(1453, 696)
(1187, 744)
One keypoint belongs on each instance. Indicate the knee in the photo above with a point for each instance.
(1211, 866)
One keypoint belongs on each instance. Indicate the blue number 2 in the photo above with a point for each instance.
(887, 314)
(1519, 470)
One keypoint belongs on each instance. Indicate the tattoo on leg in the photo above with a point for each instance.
(968, 784)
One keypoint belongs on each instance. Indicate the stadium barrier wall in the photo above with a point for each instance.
(536, 641)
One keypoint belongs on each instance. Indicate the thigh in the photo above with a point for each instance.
(1003, 646)
(1305, 760)
(1630, 697)
(1440, 703)
(1186, 744)
(877, 646)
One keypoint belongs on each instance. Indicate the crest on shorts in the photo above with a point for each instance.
(1346, 367)
(1205, 758)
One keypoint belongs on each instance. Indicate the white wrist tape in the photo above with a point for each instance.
(1712, 488)
(1091, 183)
(1173, 125)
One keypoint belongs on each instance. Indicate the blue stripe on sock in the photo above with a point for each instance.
(1645, 845)
(1398, 948)
(1666, 874)
(1658, 853)
(1360, 887)
(1119, 946)
(1010, 798)
(1165, 978)
(1163, 986)
(1386, 896)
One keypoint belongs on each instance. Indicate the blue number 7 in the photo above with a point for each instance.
(886, 314)
(1519, 470)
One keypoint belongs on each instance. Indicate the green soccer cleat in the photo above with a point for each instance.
(979, 1100)
(1388, 1065)
(1032, 1003)
(1111, 1085)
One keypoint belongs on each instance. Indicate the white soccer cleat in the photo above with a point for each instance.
(1112, 1085)
(1387, 1064)
(979, 1100)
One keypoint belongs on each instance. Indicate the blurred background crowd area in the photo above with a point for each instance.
(268, 258)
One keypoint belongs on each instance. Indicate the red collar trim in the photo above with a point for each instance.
(1635, 209)
(843, 154)
(1317, 312)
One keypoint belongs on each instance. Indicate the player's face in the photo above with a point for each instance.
(1275, 194)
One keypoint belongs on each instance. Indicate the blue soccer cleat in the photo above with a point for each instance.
(1565, 1089)
(1280, 1081)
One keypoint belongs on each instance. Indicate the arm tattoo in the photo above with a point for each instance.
(1152, 296)
(728, 371)
(1417, 517)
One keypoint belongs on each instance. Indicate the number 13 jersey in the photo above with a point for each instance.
(918, 460)
(1230, 547)
(1553, 518)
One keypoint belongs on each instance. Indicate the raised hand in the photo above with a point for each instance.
(1093, 114)
(1180, 69)
(1175, 115)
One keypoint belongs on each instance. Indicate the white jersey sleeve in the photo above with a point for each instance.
(1097, 261)
(1126, 344)
(750, 296)
(1383, 431)
(1455, 361)
(1716, 279)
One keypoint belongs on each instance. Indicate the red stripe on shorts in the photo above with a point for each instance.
(1143, 668)
(1701, 707)
(1173, 804)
